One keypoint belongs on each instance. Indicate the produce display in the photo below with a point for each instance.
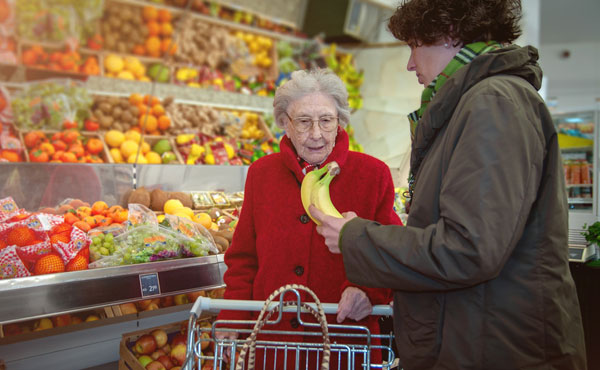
(67, 60)
(46, 323)
(68, 146)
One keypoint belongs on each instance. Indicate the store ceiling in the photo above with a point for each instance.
(564, 21)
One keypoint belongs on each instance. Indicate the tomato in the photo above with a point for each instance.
(91, 125)
(67, 124)
(38, 155)
(94, 146)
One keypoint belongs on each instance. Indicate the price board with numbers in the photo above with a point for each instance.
(149, 284)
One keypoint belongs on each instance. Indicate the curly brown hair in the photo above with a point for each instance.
(426, 22)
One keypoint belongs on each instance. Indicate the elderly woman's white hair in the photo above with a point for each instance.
(306, 82)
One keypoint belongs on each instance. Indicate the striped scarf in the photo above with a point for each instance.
(462, 58)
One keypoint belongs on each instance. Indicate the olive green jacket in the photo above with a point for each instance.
(480, 272)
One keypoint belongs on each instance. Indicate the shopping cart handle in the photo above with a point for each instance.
(203, 304)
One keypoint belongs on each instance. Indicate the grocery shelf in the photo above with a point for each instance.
(579, 186)
(43, 295)
(581, 200)
(577, 149)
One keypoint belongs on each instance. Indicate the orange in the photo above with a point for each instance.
(167, 46)
(139, 50)
(59, 238)
(64, 229)
(49, 264)
(153, 28)
(20, 236)
(78, 263)
(10, 156)
(158, 110)
(142, 108)
(164, 15)
(166, 29)
(153, 45)
(70, 218)
(148, 122)
(83, 226)
(91, 221)
(150, 13)
(99, 207)
(164, 122)
(135, 99)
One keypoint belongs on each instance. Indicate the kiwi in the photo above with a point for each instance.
(140, 196)
(126, 116)
(219, 240)
(158, 199)
(215, 212)
(118, 126)
(106, 108)
(135, 111)
(116, 112)
(106, 122)
(185, 199)
(227, 234)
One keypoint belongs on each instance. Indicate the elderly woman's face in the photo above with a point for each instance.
(428, 61)
(314, 145)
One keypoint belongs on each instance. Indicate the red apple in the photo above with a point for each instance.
(76, 320)
(166, 348)
(143, 304)
(61, 320)
(192, 296)
(145, 360)
(145, 344)
(178, 339)
(176, 368)
(167, 301)
(12, 329)
(178, 354)
(166, 361)
(181, 299)
(208, 365)
(156, 354)
(152, 306)
(160, 336)
(155, 365)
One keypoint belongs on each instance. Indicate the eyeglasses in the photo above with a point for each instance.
(303, 124)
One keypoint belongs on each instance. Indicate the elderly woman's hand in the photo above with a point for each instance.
(226, 335)
(330, 227)
(354, 304)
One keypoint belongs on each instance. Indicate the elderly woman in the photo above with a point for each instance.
(480, 274)
(275, 242)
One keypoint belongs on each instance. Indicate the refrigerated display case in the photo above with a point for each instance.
(578, 141)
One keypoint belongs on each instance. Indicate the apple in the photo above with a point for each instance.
(178, 354)
(208, 365)
(178, 339)
(176, 368)
(156, 354)
(192, 296)
(181, 299)
(145, 344)
(61, 320)
(216, 293)
(145, 360)
(143, 304)
(128, 308)
(166, 361)
(12, 329)
(205, 337)
(166, 348)
(43, 324)
(76, 320)
(160, 336)
(155, 365)
(167, 301)
(92, 318)
(152, 306)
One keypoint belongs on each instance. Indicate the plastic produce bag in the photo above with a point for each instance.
(202, 238)
(46, 105)
(141, 215)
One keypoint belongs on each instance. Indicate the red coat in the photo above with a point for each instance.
(275, 243)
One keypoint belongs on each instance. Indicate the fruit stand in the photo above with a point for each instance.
(109, 107)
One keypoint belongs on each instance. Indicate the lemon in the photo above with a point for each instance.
(160, 218)
(126, 75)
(133, 136)
(114, 138)
(145, 147)
(203, 219)
(186, 210)
(209, 159)
(128, 148)
(116, 155)
(172, 205)
(114, 63)
(140, 159)
(182, 214)
(153, 158)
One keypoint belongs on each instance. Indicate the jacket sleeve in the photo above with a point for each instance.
(241, 258)
(486, 193)
(385, 215)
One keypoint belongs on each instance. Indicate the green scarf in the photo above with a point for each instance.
(462, 58)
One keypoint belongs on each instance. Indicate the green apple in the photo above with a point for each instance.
(168, 157)
(145, 360)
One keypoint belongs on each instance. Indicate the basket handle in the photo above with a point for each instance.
(264, 316)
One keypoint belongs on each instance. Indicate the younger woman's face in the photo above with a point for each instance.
(428, 61)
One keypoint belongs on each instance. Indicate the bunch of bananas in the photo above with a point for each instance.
(343, 66)
(315, 190)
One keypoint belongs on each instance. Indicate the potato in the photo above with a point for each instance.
(116, 112)
(106, 122)
(106, 108)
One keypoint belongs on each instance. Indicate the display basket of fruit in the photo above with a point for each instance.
(68, 146)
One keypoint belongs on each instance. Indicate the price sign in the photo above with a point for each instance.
(149, 284)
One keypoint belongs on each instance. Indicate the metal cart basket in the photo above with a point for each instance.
(328, 348)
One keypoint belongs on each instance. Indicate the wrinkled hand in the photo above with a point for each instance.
(330, 227)
(226, 335)
(354, 304)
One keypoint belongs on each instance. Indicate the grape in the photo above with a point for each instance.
(104, 251)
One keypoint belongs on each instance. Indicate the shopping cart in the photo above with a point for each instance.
(294, 353)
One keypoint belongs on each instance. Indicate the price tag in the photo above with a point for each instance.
(149, 284)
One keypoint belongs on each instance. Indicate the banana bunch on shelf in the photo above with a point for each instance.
(343, 66)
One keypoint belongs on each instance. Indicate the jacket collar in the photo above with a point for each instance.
(511, 60)
(338, 154)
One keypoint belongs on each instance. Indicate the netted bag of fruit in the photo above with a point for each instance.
(46, 105)
(196, 240)
(8, 209)
(11, 265)
(69, 248)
